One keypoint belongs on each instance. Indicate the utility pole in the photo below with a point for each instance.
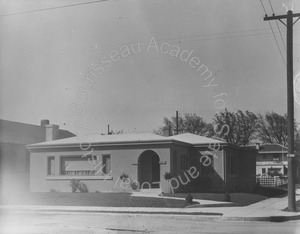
(177, 128)
(290, 102)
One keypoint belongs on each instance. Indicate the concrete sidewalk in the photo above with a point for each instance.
(266, 210)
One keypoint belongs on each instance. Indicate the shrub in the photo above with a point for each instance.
(123, 176)
(227, 197)
(168, 175)
(189, 199)
(134, 185)
(74, 185)
(83, 188)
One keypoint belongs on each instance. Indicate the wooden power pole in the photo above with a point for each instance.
(290, 102)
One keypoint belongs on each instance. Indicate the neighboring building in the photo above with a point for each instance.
(100, 160)
(272, 160)
(271, 157)
(14, 157)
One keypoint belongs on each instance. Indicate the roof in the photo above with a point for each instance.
(133, 138)
(271, 148)
(23, 133)
(103, 139)
(195, 139)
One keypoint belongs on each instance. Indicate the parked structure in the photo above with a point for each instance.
(191, 163)
(15, 158)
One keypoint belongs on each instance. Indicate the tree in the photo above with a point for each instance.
(190, 123)
(272, 128)
(237, 128)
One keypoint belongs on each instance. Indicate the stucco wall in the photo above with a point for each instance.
(245, 179)
(123, 159)
(14, 168)
(194, 179)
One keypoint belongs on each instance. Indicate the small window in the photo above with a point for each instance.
(184, 162)
(50, 166)
(106, 164)
(263, 171)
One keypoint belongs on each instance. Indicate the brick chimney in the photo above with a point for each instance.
(51, 130)
(257, 145)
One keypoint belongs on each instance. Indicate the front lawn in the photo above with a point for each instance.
(90, 199)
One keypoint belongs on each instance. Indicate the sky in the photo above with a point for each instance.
(128, 63)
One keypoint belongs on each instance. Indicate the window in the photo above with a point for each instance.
(233, 165)
(184, 162)
(50, 166)
(275, 157)
(106, 164)
(77, 165)
(263, 170)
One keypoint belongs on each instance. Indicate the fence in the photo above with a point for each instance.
(271, 181)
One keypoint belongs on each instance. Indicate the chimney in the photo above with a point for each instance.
(44, 122)
(51, 132)
(257, 145)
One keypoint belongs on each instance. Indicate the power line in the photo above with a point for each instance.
(263, 7)
(52, 8)
(278, 26)
(276, 41)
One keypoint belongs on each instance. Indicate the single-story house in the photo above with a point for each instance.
(131, 162)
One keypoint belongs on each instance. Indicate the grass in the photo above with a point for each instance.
(90, 199)
(125, 200)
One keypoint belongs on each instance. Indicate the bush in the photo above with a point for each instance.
(227, 197)
(124, 176)
(189, 199)
(168, 175)
(74, 185)
(134, 185)
(82, 188)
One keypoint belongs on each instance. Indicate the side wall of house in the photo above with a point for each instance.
(247, 173)
(123, 159)
(204, 172)
(14, 168)
(240, 169)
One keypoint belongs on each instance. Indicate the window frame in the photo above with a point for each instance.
(104, 166)
(184, 162)
(60, 176)
(48, 169)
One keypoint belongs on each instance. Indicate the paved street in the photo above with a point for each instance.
(64, 222)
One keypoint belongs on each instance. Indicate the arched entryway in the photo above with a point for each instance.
(148, 170)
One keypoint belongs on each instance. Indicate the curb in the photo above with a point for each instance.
(212, 216)
(275, 219)
(118, 211)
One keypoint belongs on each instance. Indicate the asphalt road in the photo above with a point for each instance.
(51, 222)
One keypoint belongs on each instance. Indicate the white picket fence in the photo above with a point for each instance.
(271, 181)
